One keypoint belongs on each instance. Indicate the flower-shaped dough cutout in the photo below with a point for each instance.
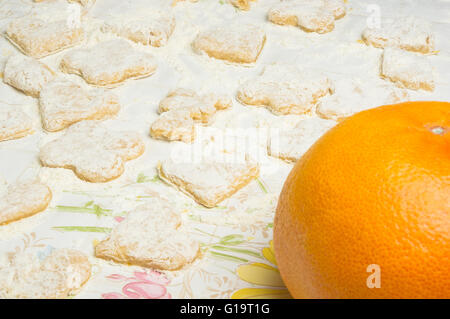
(109, 63)
(181, 110)
(312, 16)
(94, 153)
(285, 89)
(150, 237)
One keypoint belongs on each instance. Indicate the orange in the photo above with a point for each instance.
(365, 213)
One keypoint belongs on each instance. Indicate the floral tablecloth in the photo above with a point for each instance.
(237, 259)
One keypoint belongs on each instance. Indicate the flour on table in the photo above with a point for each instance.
(85, 5)
(174, 2)
(249, 212)
(240, 4)
(3, 186)
(84, 2)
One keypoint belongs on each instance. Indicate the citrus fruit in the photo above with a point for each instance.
(365, 213)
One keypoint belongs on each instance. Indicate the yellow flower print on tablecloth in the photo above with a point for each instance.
(264, 275)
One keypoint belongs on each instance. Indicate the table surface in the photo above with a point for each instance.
(236, 237)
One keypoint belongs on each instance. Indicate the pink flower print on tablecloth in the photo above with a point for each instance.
(144, 285)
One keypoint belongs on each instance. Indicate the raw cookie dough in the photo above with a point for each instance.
(209, 183)
(64, 102)
(14, 123)
(285, 89)
(149, 237)
(22, 200)
(312, 16)
(235, 43)
(94, 153)
(109, 63)
(27, 74)
(23, 275)
(407, 33)
(181, 110)
(38, 38)
(407, 69)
